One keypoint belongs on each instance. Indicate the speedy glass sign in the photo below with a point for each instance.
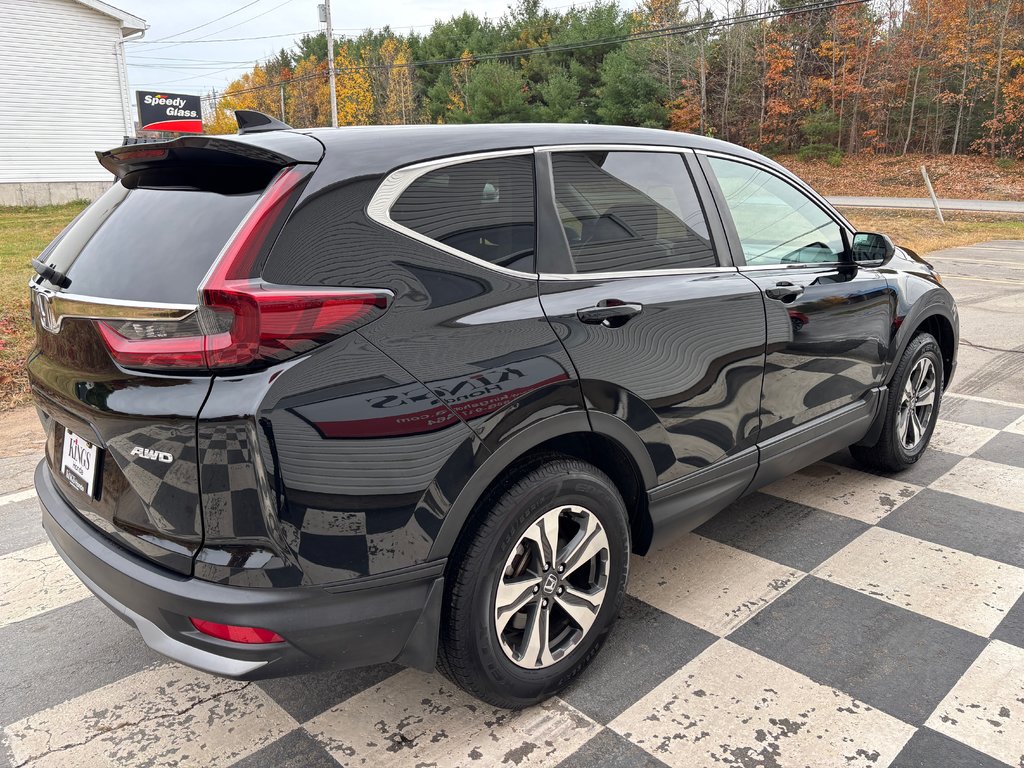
(162, 111)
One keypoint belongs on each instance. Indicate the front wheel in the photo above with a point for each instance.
(536, 588)
(912, 409)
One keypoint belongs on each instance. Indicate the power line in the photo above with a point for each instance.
(201, 74)
(251, 18)
(186, 67)
(207, 23)
(373, 30)
(174, 43)
(205, 71)
(184, 79)
(226, 39)
(178, 58)
(666, 31)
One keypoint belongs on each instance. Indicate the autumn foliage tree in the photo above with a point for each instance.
(884, 76)
(254, 90)
(458, 95)
(355, 99)
(308, 101)
(779, 95)
(397, 103)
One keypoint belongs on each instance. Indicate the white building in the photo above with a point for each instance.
(63, 96)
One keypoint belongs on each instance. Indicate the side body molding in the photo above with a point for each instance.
(680, 506)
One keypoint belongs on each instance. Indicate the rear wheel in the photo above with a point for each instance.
(536, 589)
(915, 393)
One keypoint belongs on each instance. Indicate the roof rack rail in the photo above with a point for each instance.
(251, 121)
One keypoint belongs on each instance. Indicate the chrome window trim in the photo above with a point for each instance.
(636, 273)
(396, 182)
(69, 305)
(612, 148)
(791, 266)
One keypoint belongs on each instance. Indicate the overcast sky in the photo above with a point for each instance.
(216, 61)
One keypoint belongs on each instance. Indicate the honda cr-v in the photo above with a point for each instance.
(414, 394)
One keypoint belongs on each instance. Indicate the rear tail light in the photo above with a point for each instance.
(242, 321)
(236, 634)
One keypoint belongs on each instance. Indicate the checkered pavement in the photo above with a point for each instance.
(836, 618)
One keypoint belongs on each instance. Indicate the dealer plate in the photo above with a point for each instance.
(78, 462)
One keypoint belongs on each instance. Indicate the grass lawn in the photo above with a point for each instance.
(922, 232)
(24, 232)
(967, 177)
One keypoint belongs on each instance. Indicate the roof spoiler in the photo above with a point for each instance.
(251, 121)
(227, 152)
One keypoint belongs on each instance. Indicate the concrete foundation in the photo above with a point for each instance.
(50, 192)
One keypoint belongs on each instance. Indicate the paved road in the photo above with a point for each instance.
(945, 203)
(988, 283)
(838, 618)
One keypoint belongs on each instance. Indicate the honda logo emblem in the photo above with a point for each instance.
(550, 583)
(44, 311)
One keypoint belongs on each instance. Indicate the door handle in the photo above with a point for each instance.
(784, 291)
(609, 312)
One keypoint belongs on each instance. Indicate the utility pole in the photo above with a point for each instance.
(282, 104)
(330, 63)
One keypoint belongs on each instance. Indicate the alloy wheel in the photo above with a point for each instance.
(917, 402)
(552, 587)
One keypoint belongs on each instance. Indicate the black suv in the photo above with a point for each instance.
(414, 394)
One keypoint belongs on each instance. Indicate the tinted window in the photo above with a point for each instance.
(483, 208)
(624, 211)
(148, 244)
(775, 221)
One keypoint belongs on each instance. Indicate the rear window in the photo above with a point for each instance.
(482, 207)
(148, 244)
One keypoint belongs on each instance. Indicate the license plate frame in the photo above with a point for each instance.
(79, 463)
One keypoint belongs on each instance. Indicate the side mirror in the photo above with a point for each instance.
(870, 249)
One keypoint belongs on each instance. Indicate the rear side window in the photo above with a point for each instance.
(626, 211)
(483, 207)
(151, 245)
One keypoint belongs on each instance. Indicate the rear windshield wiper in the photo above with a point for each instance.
(51, 274)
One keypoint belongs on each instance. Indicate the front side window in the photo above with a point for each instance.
(628, 211)
(775, 221)
(482, 207)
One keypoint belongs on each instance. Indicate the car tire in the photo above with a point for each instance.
(490, 645)
(909, 417)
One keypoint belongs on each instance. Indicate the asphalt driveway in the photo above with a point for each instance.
(837, 618)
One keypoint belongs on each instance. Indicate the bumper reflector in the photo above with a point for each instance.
(236, 634)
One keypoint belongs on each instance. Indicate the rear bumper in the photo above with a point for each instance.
(388, 618)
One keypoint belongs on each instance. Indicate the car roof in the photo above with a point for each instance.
(381, 148)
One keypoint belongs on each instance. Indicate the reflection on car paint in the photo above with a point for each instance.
(690, 362)
(403, 410)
